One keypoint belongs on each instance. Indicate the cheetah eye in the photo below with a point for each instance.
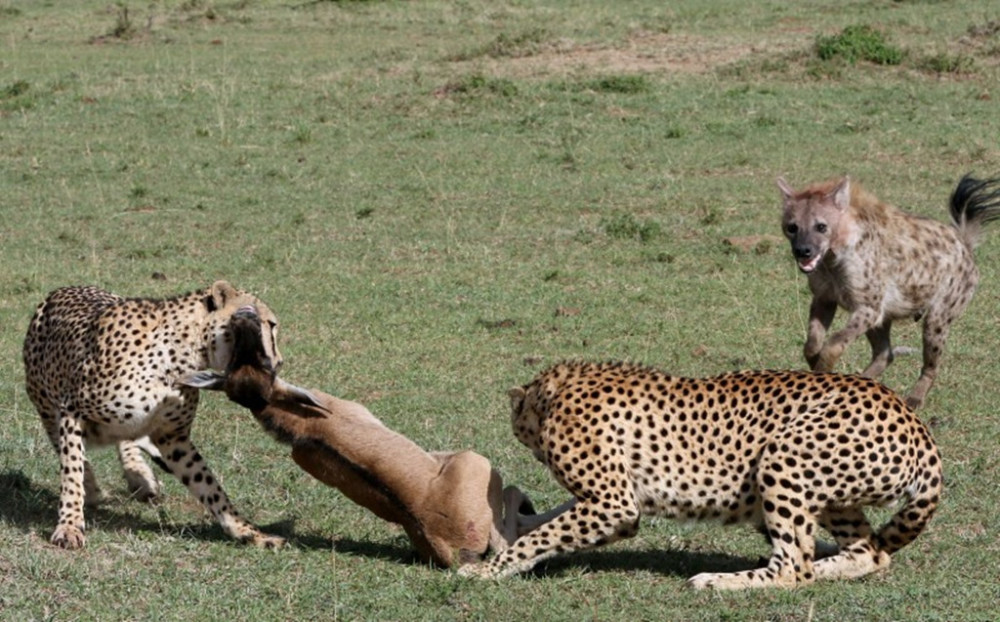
(821, 227)
(791, 228)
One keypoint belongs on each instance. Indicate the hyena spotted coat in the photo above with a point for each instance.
(883, 264)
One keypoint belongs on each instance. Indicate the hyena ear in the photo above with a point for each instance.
(219, 293)
(841, 193)
(786, 191)
(208, 379)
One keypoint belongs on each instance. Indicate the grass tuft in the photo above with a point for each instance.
(944, 62)
(859, 42)
(478, 84)
(625, 226)
(624, 84)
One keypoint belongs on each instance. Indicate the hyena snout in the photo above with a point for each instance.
(804, 251)
(808, 253)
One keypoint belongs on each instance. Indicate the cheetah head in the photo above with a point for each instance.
(223, 301)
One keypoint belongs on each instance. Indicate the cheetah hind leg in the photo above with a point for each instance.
(93, 496)
(142, 482)
(791, 560)
(857, 556)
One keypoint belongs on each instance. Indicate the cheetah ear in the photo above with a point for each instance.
(208, 379)
(786, 190)
(841, 193)
(516, 396)
(219, 293)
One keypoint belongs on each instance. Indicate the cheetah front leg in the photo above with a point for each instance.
(72, 461)
(583, 525)
(181, 458)
(142, 482)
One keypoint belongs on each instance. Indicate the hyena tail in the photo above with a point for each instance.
(924, 494)
(974, 203)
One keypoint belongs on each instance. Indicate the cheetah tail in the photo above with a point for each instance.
(924, 495)
(974, 203)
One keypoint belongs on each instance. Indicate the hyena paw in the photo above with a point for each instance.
(68, 537)
(914, 403)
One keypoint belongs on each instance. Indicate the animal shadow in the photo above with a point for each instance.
(668, 562)
(34, 508)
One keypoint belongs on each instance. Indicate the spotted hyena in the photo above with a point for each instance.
(882, 264)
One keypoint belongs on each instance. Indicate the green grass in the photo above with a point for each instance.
(421, 190)
(859, 42)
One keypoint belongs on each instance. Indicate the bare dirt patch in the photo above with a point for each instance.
(641, 52)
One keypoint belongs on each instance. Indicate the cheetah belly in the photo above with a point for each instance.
(679, 499)
(123, 419)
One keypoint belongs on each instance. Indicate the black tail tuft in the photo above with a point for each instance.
(975, 200)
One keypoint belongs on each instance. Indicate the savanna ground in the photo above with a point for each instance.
(439, 199)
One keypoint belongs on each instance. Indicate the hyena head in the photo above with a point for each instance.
(812, 218)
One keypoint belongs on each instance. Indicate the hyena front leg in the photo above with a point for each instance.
(861, 321)
(821, 313)
(882, 356)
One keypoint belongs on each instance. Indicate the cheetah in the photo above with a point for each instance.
(101, 369)
(785, 450)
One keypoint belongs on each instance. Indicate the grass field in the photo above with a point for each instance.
(440, 198)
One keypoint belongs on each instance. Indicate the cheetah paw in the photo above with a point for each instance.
(264, 541)
(477, 571)
(68, 537)
(701, 581)
(720, 581)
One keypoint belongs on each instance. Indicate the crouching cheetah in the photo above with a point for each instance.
(784, 450)
(101, 369)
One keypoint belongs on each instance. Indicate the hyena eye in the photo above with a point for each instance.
(791, 228)
(821, 227)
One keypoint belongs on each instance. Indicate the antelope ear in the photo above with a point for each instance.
(786, 191)
(208, 379)
(842, 193)
(303, 396)
(219, 293)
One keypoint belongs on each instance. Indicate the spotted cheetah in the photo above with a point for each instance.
(783, 450)
(101, 369)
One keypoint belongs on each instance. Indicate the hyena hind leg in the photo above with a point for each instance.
(936, 328)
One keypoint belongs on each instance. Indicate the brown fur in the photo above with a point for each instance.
(883, 264)
(451, 505)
